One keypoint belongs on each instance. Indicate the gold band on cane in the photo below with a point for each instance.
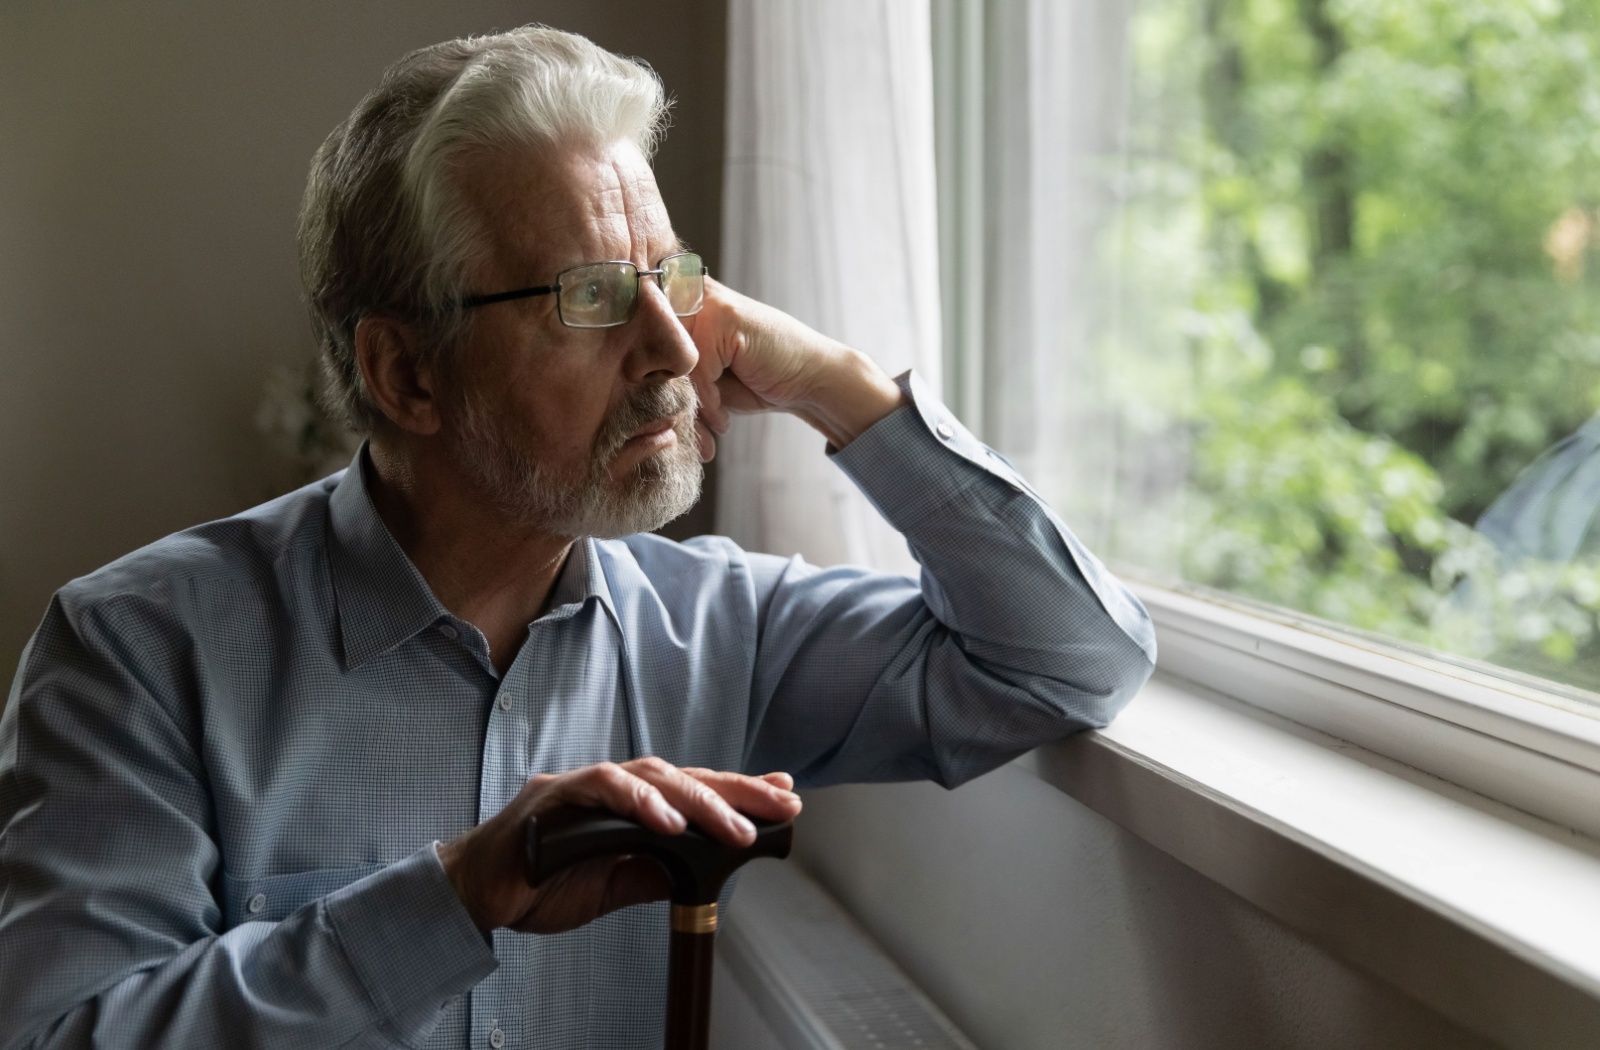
(694, 918)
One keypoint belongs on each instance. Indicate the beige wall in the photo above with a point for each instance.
(1037, 924)
(151, 161)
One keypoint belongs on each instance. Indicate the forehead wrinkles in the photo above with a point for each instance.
(528, 205)
(583, 206)
(649, 232)
(606, 227)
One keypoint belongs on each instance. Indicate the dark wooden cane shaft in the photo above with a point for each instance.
(689, 969)
(697, 868)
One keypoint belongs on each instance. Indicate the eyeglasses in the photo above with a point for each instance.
(606, 294)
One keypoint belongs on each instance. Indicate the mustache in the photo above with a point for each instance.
(675, 397)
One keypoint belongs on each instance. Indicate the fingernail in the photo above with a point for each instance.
(672, 816)
(743, 824)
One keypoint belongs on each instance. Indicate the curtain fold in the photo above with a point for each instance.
(1054, 86)
(829, 213)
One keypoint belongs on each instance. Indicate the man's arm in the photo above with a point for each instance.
(754, 358)
(1016, 634)
(110, 932)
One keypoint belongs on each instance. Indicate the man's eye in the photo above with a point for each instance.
(590, 293)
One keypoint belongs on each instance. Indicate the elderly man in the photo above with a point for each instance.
(263, 782)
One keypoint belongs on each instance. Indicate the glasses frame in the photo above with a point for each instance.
(659, 273)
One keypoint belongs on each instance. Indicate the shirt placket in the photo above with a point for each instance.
(495, 1005)
(534, 726)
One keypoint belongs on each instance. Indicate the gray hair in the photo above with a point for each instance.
(382, 226)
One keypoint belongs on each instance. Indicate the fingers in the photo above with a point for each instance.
(712, 412)
(720, 298)
(711, 419)
(584, 892)
(715, 328)
(697, 801)
(770, 797)
(665, 798)
(485, 865)
(633, 880)
(734, 396)
(613, 787)
(706, 444)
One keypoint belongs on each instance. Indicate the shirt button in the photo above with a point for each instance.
(257, 904)
(449, 631)
(497, 1038)
(505, 701)
(944, 431)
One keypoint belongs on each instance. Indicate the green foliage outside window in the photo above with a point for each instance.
(1359, 239)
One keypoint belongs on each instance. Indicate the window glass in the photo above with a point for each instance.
(1348, 340)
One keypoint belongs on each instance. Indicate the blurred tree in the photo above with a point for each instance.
(1372, 225)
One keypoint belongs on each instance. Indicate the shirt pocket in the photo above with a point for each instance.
(273, 898)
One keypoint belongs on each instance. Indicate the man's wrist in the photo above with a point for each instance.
(385, 919)
(851, 396)
(449, 854)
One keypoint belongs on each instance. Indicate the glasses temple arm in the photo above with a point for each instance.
(500, 297)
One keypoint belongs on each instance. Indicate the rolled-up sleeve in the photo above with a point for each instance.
(111, 934)
(1014, 635)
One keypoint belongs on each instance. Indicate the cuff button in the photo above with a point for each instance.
(944, 431)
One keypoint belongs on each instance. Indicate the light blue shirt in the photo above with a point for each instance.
(227, 756)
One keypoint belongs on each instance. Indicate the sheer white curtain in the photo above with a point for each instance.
(1032, 107)
(829, 213)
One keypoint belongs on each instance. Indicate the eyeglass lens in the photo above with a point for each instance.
(683, 279)
(600, 295)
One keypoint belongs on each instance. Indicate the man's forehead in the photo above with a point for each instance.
(558, 207)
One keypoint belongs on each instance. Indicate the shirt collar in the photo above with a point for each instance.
(583, 577)
(382, 598)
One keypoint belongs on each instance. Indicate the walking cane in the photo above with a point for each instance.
(696, 866)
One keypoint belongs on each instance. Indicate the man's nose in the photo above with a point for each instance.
(661, 348)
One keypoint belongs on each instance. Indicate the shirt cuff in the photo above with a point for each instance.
(919, 458)
(409, 939)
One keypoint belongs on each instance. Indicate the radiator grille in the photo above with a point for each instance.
(816, 978)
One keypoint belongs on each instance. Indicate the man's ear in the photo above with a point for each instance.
(401, 387)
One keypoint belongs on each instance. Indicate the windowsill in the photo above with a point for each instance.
(1535, 749)
(1485, 913)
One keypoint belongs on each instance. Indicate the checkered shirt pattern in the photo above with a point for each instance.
(227, 757)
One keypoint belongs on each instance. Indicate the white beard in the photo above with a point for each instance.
(659, 489)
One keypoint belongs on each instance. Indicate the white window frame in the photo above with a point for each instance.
(1521, 741)
(1517, 741)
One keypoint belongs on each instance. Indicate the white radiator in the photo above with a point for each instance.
(795, 972)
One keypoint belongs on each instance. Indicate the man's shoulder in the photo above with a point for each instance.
(703, 566)
(243, 548)
(663, 561)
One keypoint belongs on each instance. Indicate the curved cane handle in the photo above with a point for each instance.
(696, 864)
